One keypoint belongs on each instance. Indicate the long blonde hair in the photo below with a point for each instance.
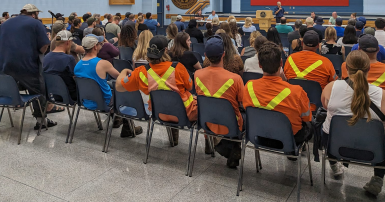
(231, 17)
(330, 33)
(225, 26)
(140, 19)
(358, 65)
(143, 43)
(253, 36)
(248, 22)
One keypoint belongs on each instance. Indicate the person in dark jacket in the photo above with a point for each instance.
(193, 31)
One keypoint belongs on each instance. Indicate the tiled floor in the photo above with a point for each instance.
(44, 168)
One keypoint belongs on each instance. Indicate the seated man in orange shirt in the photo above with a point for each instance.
(272, 93)
(376, 74)
(215, 81)
(307, 64)
(160, 74)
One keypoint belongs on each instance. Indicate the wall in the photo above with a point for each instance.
(371, 7)
(79, 6)
(236, 6)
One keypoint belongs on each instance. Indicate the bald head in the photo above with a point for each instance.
(279, 4)
(334, 14)
(283, 20)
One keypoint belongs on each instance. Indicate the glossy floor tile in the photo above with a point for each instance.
(45, 168)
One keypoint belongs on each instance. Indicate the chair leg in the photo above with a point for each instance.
(211, 141)
(240, 177)
(256, 154)
(189, 150)
(148, 130)
(259, 161)
(170, 137)
(193, 153)
(30, 106)
(149, 142)
(309, 164)
(323, 175)
(76, 121)
(1, 114)
(43, 119)
(10, 116)
(108, 137)
(299, 176)
(71, 116)
(108, 124)
(97, 120)
(21, 125)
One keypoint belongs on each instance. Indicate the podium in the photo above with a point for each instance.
(264, 17)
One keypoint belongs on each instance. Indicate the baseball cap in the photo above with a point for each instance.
(90, 21)
(179, 17)
(338, 20)
(31, 8)
(359, 25)
(214, 46)
(58, 26)
(128, 14)
(319, 20)
(158, 45)
(368, 43)
(369, 30)
(91, 40)
(362, 19)
(59, 15)
(64, 35)
(311, 39)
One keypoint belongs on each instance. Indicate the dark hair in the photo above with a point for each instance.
(352, 22)
(148, 15)
(354, 14)
(131, 17)
(85, 17)
(302, 30)
(225, 26)
(380, 23)
(128, 35)
(180, 45)
(269, 56)
(209, 28)
(234, 29)
(75, 23)
(192, 23)
(215, 59)
(140, 13)
(109, 17)
(118, 14)
(283, 21)
(273, 36)
(349, 35)
(259, 41)
(98, 31)
(298, 24)
(171, 31)
(339, 23)
(228, 47)
(5, 14)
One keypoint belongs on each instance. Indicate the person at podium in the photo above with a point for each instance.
(279, 12)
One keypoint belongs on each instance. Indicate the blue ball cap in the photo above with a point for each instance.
(99, 38)
(214, 46)
(362, 19)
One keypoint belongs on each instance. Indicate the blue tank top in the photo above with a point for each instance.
(87, 69)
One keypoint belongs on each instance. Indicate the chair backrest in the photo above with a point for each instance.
(240, 50)
(244, 58)
(122, 64)
(348, 49)
(198, 56)
(161, 31)
(205, 40)
(337, 61)
(246, 41)
(110, 36)
(55, 85)
(9, 91)
(362, 142)
(263, 32)
(168, 103)
(132, 100)
(125, 53)
(199, 47)
(247, 76)
(193, 40)
(312, 88)
(273, 125)
(217, 111)
(89, 89)
(247, 34)
(138, 64)
(284, 41)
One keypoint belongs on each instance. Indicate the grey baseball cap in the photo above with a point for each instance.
(91, 40)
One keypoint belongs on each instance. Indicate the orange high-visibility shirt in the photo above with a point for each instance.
(376, 74)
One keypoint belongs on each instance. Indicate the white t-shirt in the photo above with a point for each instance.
(339, 43)
(380, 36)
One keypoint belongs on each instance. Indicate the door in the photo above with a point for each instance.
(160, 11)
(226, 6)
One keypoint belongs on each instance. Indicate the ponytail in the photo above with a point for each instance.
(140, 18)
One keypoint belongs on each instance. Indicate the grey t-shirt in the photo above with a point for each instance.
(87, 31)
(113, 28)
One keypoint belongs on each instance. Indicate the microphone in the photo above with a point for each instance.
(53, 15)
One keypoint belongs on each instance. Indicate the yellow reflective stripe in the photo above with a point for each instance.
(273, 103)
(380, 80)
(301, 75)
(224, 88)
(203, 87)
(189, 101)
(161, 81)
(143, 78)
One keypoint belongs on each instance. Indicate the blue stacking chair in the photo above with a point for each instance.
(216, 111)
(128, 105)
(193, 40)
(240, 50)
(263, 32)
(204, 40)
(360, 144)
(161, 31)
(198, 56)
(337, 61)
(247, 76)
(125, 53)
(88, 89)
(247, 34)
(169, 103)
(55, 87)
(313, 90)
(348, 49)
(199, 47)
(11, 98)
(262, 123)
(246, 41)
(122, 64)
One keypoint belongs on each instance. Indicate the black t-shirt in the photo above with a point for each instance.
(195, 32)
(188, 59)
(78, 33)
(142, 27)
(318, 32)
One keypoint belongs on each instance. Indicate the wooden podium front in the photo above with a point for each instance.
(264, 17)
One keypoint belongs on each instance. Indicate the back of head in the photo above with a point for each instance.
(209, 28)
(148, 15)
(259, 41)
(269, 56)
(309, 21)
(339, 21)
(109, 17)
(127, 15)
(140, 19)
(253, 36)
(214, 49)
(380, 23)
(283, 20)
(116, 18)
(215, 21)
(76, 22)
(131, 17)
(349, 35)
(359, 25)
(310, 41)
(156, 53)
(330, 33)
(143, 43)
(352, 22)
(273, 36)
(225, 26)
(302, 30)
(370, 31)
(128, 35)
(98, 31)
(180, 44)
(140, 14)
(118, 14)
(298, 24)
(171, 31)
(369, 44)
(228, 47)
(358, 65)
(234, 29)
(248, 22)
(85, 17)
(193, 23)
(231, 17)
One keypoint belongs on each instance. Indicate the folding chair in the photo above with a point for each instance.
(125, 53)
(216, 111)
(273, 125)
(313, 90)
(88, 89)
(247, 76)
(169, 103)
(199, 47)
(122, 64)
(263, 32)
(128, 105)
(337, 61)
(198, 56)
(56, 87)
(348, 49)
(361, 144)
(11, 98)
(193, 40)
(246, 41)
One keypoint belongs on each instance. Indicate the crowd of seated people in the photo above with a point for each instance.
(172, 59)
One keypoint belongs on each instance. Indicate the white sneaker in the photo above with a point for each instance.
(374, 186)
(337, 169)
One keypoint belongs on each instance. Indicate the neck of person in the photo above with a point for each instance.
(60, 49)
(90, 55)
(278, 73)
(331, 41)
(220, 64)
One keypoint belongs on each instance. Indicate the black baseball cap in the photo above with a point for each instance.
(359, 25)
(319, 20)
(158, 45)
(128, 14)
(339, 20)
(311, 38)
(214, 46)
(368, 43)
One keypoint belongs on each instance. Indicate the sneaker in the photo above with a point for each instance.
(175, 136)
(374, 186)
(337, 169)
(207, 147)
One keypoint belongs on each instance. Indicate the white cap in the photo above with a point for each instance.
(64, 35)
(31, 8)
(179, 17)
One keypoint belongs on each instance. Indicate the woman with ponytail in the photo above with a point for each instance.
(340, 99)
